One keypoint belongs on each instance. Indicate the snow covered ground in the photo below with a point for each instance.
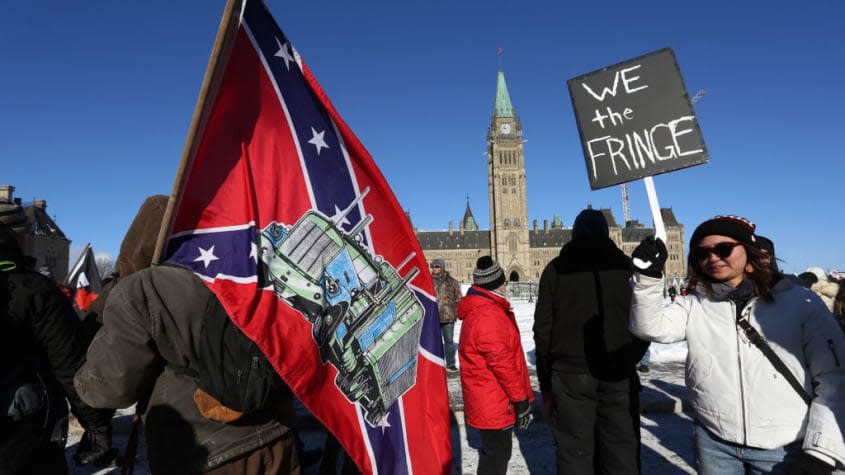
(524, 311)
(666, 431)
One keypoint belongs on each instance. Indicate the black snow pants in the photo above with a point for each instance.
(596, 424)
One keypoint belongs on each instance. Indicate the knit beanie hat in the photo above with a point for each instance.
(487, 274)
(438, 263)
(732, 226)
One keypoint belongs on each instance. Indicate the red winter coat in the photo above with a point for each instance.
(494, 375)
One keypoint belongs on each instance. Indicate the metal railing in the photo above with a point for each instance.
(522, 291)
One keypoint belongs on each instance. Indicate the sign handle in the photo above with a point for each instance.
(659, 228)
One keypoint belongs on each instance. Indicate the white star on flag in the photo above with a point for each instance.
(283, 53)
(337, 212)
(206, 256)
(383, 423)
(82, 281)
(318, 140)
(253, 252)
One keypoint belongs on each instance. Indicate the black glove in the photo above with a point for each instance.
(650, 257)
(28, 399)
(95, 448)
(523, 414)
(806, 464)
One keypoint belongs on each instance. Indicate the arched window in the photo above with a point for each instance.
(513, 242)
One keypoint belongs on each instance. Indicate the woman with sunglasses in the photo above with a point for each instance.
(749, 419)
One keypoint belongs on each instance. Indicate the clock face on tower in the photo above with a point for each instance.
(505, 128)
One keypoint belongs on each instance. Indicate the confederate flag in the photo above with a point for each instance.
(84, 280)
(288, 220)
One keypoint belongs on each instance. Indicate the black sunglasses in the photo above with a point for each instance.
(721, 250)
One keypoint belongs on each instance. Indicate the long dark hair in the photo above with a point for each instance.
(762, 274)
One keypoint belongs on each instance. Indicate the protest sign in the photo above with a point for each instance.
(635, 120)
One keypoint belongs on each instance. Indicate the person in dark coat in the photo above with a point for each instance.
(448, 295)
(148, 352)
(41, 347)
(586, 357)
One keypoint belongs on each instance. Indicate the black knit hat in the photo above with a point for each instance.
(487, 274)
(732, 226)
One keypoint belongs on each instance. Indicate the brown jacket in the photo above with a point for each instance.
(448, 295)
(147, 350)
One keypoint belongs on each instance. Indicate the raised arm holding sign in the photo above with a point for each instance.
(635, 120)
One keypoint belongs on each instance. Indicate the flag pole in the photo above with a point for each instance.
(659, 227)
(223, 43)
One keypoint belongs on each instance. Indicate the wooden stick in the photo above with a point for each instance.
(223, 44)
(659, 228)
(127, 465)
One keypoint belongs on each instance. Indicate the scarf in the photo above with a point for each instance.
(740, 296)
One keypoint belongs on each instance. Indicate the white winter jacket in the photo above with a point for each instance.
(734, 390)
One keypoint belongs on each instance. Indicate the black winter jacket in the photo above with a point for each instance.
(581, 318)
(41, 345)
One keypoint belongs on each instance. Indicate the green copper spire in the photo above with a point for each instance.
(503, 99)
(469, 223)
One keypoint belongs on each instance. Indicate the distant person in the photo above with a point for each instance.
(448, 295)
(807, 279)
(151, 351)
(586, 357)
(764, 366)
(767, 247)
(494, 376)
(824, 287)
(41, 346)
(673, 293)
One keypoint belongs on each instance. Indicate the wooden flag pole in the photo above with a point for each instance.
(659, 228)
(223, 44)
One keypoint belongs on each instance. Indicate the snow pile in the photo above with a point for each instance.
(524, 311)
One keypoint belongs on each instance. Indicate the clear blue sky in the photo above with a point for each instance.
(96, 99)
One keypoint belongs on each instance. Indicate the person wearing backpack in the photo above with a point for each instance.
(764, 372)
(41, 347)
(154, 350)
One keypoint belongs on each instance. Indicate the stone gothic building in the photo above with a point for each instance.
(44, 241)
(521, 250)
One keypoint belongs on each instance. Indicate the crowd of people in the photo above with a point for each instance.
(763, 371)
(764, 368)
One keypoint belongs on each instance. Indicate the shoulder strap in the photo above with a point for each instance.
(757, 339)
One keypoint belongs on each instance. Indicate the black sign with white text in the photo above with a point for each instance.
(635, 120)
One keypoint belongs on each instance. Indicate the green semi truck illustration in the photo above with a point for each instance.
(365, 319)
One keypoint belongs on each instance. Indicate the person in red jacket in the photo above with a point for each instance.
(494, 377)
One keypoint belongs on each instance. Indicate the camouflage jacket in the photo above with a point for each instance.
(448, 295)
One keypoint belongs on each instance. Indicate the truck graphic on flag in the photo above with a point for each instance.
(365, 321)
